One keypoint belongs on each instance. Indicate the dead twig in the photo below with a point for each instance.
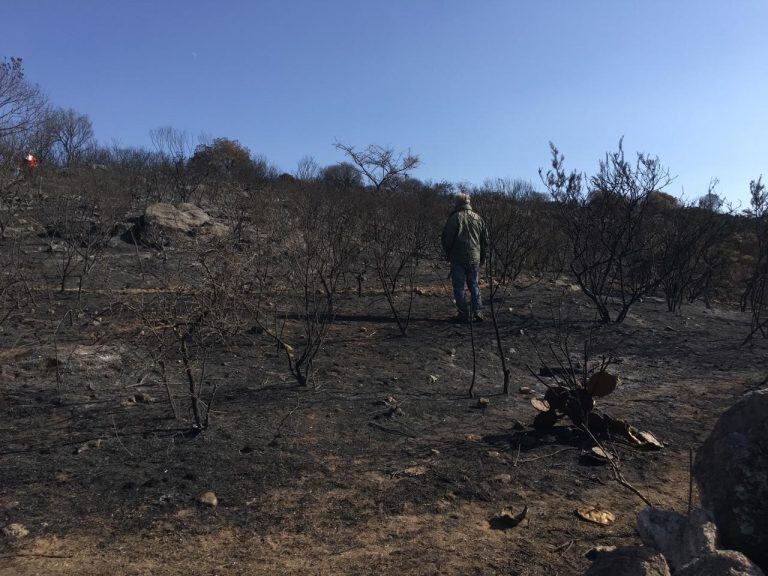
(390, 430)
(618, 476)
(114, 427)
(690, 479)
(555, 453)
(517, 456)
(24, 555)
(565, 546)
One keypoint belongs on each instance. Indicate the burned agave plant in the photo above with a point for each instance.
(572, 394)
(576, 402)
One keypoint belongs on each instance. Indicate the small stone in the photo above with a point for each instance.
(164, 527)
(493, 454)
(15, 531)
(432, 378)
(415, 471)
(525, 390)
(142, 398)
(503, 479)
(483, 403)
(88, 445)
(208, 499)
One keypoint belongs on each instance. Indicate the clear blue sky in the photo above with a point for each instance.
(477, 88)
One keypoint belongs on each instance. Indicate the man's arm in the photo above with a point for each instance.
(483, 242)
(450, 230)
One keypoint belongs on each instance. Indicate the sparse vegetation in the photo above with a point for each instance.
(224, 332)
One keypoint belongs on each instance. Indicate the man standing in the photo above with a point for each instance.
(465, 241)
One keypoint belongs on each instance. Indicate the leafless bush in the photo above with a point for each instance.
(322, 242)
(11, 180)
(691, 252)
(173, 148)
(223, 163)
(21, 102)
(307, 169)
(397, 226)
(397, 234)
(22, 106)
(514, 234)
(237, 205)
(382, 167)
(15, 291)
(607, 219)
(755, 297)
(136, 175)
(191, 310)
(78, 225)
(73, 135)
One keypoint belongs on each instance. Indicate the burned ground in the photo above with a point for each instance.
(382, 465)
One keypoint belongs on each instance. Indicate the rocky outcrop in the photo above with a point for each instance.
(731, 469)
(162, 224)
(682, 545)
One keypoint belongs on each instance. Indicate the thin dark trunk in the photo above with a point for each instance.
(499, 344)
(474, 353)
(195, 397)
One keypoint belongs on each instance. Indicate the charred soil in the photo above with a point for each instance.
(381, 465)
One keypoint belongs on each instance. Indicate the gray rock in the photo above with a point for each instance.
(699, 535)
(208, 499)
(163, 222)
(732, 472)
(663, 530)
(721, 563)
(629, 561)
(15, 531)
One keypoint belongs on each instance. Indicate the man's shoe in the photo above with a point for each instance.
(460, 318)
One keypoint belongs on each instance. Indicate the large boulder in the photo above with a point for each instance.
(732, 472)
(163, 223)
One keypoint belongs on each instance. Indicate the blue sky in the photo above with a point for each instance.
(477, 89)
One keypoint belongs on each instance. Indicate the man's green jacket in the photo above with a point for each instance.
(465, 237)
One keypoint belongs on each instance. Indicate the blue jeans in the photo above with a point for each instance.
(461, 275)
